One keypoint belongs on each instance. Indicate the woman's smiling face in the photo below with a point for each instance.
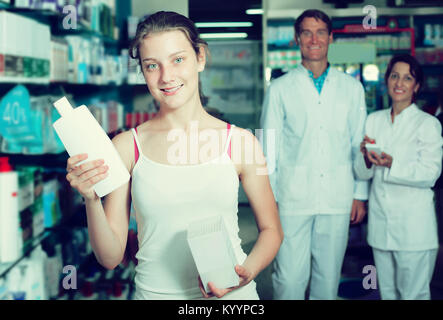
(171, 66)
(401, 84)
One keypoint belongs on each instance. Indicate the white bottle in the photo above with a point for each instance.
(81, 133)
(9, 215)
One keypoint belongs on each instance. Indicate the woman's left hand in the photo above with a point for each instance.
(244, 275)
(383, 160)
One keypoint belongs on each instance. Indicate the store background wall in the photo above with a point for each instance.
(143, 7)
(309, 4)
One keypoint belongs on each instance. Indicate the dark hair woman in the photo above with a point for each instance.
(402, 228)
(178, 176)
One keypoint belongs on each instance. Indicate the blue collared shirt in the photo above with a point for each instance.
(320, 80)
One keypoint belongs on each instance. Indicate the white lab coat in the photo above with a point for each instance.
(317, 136)
(401, 208)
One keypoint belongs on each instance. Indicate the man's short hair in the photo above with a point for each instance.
(313, 13)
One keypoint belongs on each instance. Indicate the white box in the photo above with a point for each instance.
(212, 251)
(374, 148)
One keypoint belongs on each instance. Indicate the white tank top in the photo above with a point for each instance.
(166, 198)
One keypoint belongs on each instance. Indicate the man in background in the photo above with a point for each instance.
(318, 115)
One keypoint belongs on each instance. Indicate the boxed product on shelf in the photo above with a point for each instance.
(281, 35)
(231, 52)
(59, 60)
(26, 187)
(132, 22)
(50, 197)
(433, 34)
(26, 124)
(28, 58)
(37, 207)
(79, 55)
(429, 55)
(135, 75)
(110, 114)
(26, 281)
(133, 119)
(284, 59)
(53, 268)
(30, 203)
(88, 62)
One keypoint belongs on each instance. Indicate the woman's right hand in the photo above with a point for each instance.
(366, 155)
(85, 176)
(363, 149)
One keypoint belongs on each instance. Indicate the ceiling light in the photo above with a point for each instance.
(231, 35)
(222, 24)
(254, 11)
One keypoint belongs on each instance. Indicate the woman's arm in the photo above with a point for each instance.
(108, 224)
(423, 171)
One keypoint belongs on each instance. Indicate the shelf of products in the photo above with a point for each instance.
(53, 235)
(232, 81)
(44, 55)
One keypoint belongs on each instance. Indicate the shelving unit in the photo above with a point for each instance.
(232, 81)
(88, 92)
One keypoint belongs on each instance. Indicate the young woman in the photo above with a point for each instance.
(402, 227)
(176, 182)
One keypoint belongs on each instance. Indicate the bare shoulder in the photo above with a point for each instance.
(246, 148)
(124, 144)
(123, 139)
(246, 134)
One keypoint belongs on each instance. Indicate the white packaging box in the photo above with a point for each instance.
(212, 251)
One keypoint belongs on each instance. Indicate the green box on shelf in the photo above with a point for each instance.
(27, 67)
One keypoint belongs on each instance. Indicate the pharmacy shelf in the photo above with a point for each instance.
(41, 82)
(352, 29)
(35, 242)
(55, 18)
(353, 12)
(48, 160)
(392, 52)
(233, 87)
(227, 64)
(6, 267)
(12, 80)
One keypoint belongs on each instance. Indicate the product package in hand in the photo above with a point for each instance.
(372, 147)
(81, 133)
(213, 254)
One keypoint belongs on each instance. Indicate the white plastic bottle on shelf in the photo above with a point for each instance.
(9, 215)
(81, 133)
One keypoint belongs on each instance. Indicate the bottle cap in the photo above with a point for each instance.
(4, 164)
(63, 106)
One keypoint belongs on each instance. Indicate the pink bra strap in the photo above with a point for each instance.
(137, 154)
(229, 146)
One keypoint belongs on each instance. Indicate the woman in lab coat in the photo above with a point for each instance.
(402, 228)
